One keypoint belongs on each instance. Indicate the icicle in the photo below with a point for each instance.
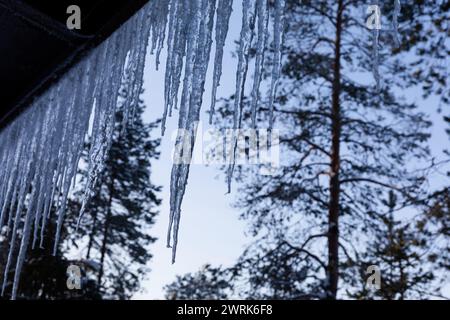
(241, 75)
(224, 9)
(197, 58)
(194, 15)
(263, 22)
(12, 177)
(136, 87)
(173, 11)
(113, 57)
(31, 143)
(77, 131)
(43, 170)
(278, 27)
(26, 235)
(178, 20)
(375, 52)
(158, 18)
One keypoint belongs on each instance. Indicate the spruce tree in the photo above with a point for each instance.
(115, 231)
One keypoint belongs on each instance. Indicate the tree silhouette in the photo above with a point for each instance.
(400, 251)
(210, 283)
(115, 230)
(345, 143)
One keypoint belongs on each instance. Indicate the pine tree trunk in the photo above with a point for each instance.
(333, 210)
(391, 255)
(91, 237)
(105, 233)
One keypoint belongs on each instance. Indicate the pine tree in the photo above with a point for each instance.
(209, 283)
(399, 252)
(115, 229)
(265, 272)
(45, 275)
(345, 142)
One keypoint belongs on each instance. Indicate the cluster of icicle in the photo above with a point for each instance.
(191, 49)
(40, 150)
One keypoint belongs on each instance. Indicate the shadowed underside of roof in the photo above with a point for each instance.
(36, 47)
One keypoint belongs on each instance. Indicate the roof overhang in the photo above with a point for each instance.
(36, 47)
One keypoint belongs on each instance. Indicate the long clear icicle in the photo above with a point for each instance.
(178, 20)
(376, 50)
(224, 9)
(263, 23)
(248, 15)
(278, 27)
(197, 58)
